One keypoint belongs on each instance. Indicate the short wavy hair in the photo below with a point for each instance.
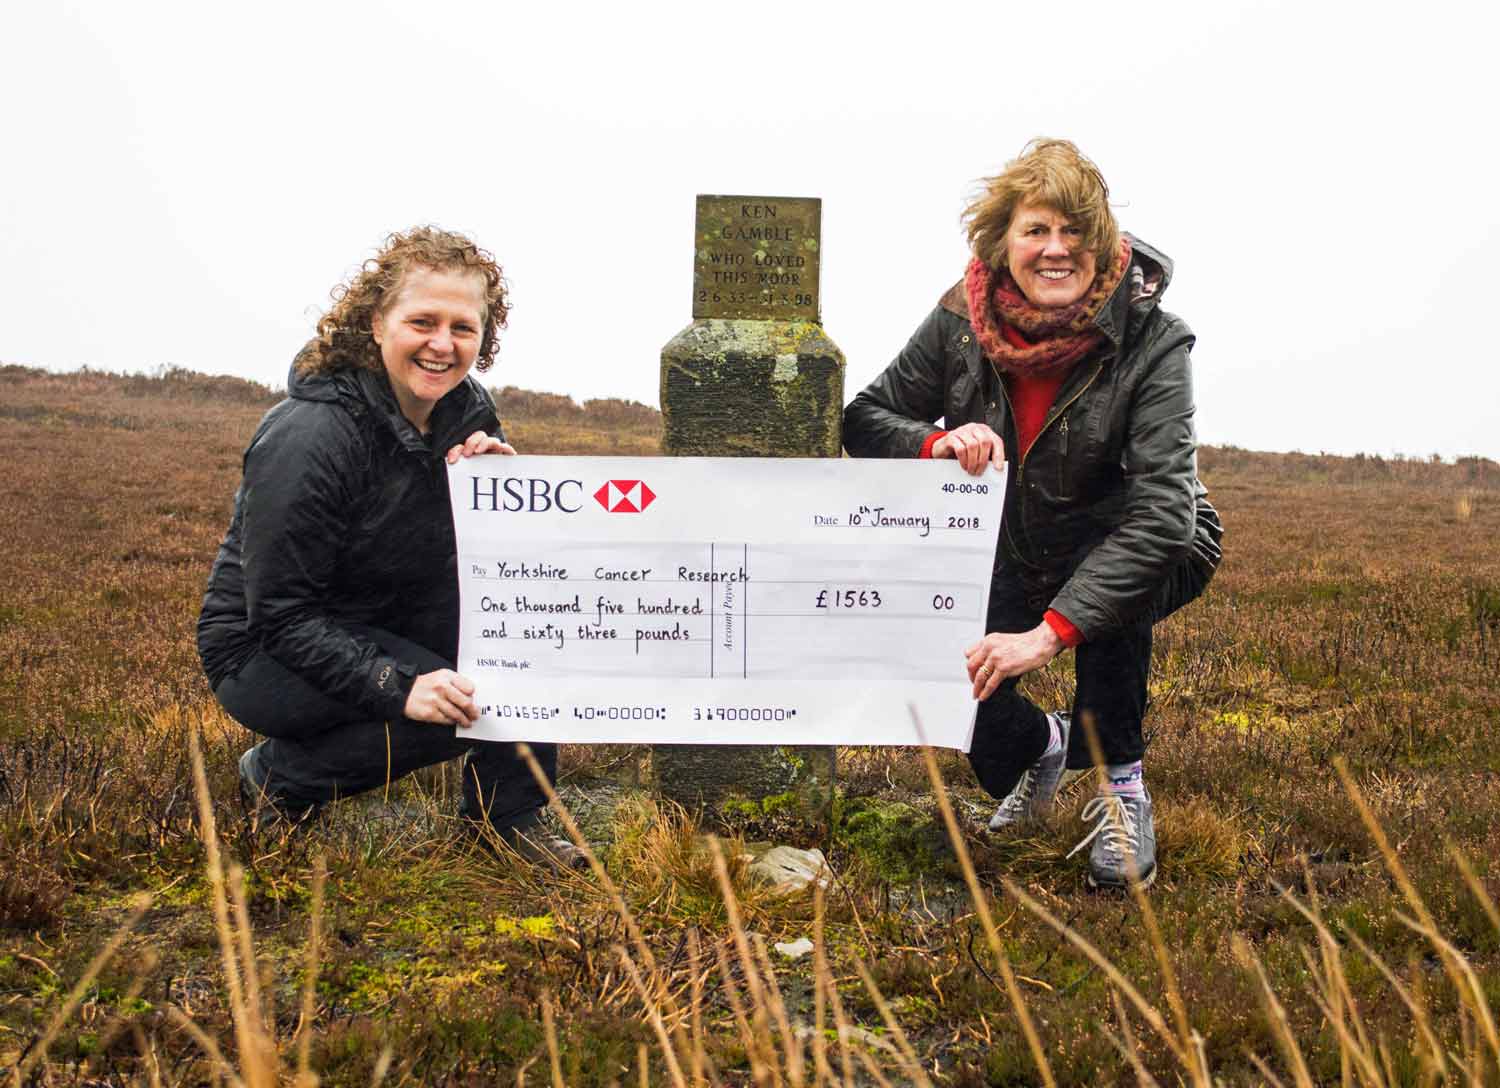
(1053, 174)
(345, 340)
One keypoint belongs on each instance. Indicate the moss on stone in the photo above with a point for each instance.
(746, 808)
(893, 840)
(752, 388)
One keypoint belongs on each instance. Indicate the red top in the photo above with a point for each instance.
(1030, 399)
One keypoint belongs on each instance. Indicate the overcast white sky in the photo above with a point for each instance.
(183, 183)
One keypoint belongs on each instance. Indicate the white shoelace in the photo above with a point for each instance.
(1115, 821)
(1019, 799)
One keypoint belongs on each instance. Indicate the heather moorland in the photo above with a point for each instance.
(1323, 753)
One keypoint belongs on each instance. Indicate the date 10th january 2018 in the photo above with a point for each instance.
(876, 518)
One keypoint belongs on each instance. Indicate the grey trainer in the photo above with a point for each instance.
(1032, 797)
(1124, 841)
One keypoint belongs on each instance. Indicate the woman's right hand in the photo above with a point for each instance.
(442, 697)
(479, 443)
(974, 445)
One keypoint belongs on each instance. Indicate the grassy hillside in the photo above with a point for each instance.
(1356, 619)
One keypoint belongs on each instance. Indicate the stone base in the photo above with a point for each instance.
(742, 388)
(701, 777)
(733, 388)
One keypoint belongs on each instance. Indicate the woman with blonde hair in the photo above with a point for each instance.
(330, 625)
(1054, 347)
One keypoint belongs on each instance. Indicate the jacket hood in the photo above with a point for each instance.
(1139, 292)
(316, 385)
(467, 407)
(1154, 264)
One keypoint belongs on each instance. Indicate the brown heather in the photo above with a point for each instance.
(1324, 755)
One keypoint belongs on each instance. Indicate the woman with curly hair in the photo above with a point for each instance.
(1054, 347)
(330, 625)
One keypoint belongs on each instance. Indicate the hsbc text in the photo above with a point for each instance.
(513, 494)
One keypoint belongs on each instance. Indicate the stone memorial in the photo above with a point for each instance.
(754, 375)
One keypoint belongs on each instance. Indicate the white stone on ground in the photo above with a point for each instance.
(794, 950)
(788, 869)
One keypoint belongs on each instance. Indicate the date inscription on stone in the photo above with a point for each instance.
(756, 257)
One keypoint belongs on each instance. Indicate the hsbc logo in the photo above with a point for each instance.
(624, 496)
(535, 495)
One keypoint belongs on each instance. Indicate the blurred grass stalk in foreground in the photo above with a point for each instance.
(780, 1051)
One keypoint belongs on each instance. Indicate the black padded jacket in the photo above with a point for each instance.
(1105, 508)
(341, 518)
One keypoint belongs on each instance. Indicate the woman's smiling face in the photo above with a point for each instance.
(429, 337)
(1047, 258)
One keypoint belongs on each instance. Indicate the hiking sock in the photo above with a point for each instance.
(1054, 737)
(1125, 779)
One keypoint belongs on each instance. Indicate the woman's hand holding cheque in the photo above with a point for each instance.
(442, 697)
(974, 445)
(478, 443)
(999, 656)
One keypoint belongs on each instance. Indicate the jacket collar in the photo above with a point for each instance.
(956, 301)
(464, 410)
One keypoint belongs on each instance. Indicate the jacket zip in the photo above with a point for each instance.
(459, 431)
(470, 423)
(1021, 465)
(437, 466)
(1062, 461)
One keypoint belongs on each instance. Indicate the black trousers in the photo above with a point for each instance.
(1010, 731)
(320, 749)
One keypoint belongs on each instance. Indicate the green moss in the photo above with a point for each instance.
(541, 927)
(745, 809)
(372, 986)
(894, 840)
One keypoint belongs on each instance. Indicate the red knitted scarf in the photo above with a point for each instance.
(1054, 338)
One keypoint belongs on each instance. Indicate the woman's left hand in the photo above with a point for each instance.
(997, 657)
(478, 443)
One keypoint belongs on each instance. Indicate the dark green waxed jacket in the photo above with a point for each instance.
(1105, 518)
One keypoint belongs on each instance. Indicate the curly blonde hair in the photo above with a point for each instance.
(1053, 174)
(344, 337)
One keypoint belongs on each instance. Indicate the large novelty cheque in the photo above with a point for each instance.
(710, 600)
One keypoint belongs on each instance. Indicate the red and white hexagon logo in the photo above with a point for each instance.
(625, 496)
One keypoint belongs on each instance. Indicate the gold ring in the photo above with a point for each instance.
(985, 670)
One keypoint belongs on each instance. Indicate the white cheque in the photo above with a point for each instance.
(715, 600)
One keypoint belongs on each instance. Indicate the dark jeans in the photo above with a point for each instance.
(1010, 731)
(319, 749)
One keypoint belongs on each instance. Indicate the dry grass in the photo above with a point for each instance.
(1323, 754)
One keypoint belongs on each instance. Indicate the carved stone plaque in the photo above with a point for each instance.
(756, 257)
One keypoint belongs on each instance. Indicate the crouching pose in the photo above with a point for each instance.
(330, 625)
(1054, 347)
